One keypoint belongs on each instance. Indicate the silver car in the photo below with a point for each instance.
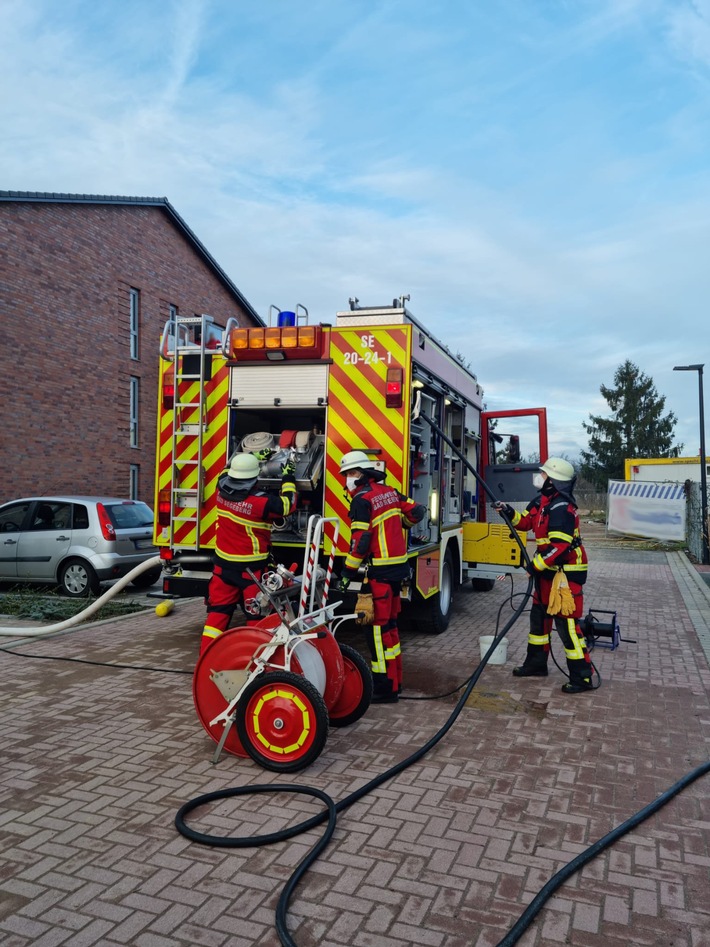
(76, 542)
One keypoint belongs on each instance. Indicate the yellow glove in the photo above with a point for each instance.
(554, 604)
(561, 598)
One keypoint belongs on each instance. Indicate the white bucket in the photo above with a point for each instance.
(500, 653)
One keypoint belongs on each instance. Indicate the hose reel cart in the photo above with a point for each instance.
(269, 690)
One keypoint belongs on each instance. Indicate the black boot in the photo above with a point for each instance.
(382, 692)
(580, 677)
(577, 687)
(530, 670)
(535, 663)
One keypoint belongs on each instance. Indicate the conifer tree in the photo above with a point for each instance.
(637, 427)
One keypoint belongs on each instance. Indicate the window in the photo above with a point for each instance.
(51, 515)
(133, 419)
(81, 516)
(129, 515)
(133, 485)
(134, 299)
(173, 312)
(13, 517)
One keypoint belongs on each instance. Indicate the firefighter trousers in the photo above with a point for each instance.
(224, 593)
(568, 628)
(383, 639)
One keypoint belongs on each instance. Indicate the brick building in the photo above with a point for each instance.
(86, 286)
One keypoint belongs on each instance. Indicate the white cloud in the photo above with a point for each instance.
(371, 157)
(689, 31)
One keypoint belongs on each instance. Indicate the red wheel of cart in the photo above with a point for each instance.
(282, 721)
(356, 693)
(219, 672)
(329, 650)
(331, 653)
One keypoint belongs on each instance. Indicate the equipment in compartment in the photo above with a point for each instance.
(273, 450)
(306, 447)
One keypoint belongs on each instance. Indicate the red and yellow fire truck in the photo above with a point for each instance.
(375, 380)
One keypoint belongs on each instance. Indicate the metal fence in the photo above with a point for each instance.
(694, 521)
(588, 502)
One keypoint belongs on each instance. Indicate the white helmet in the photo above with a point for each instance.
(355, 460)
(243, 467)
(558, 469)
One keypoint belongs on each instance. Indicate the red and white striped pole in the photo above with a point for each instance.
(328, 574)
(305, 588)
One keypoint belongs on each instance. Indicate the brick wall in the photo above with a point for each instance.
(65, 275)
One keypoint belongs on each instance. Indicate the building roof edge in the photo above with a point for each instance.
(160, 202)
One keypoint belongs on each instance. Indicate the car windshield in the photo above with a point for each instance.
(129, 515)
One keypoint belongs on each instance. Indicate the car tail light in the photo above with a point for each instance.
(107, 530)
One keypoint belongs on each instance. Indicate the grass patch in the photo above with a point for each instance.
(29, 605)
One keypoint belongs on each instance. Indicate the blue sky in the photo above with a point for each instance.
(534, 174)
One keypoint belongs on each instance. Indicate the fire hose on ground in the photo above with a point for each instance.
(86, 613)
(332, 808)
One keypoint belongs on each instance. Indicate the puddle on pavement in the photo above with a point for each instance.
(499, 702)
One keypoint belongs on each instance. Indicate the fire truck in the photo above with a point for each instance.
(374, 380)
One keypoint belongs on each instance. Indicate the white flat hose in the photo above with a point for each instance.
(87, 612)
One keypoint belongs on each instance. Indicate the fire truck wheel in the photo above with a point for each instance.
(77, 578)
(282, 721)
(483, 585)
(356, 694)
(433, 614)
(146, 579)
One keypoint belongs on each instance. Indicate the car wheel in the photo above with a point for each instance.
(78, 579)
(146, 579)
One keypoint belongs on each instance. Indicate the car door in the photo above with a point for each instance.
(12, 519)
(44, 541)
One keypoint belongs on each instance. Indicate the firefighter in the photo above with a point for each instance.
(552, 516)
(245, 516)
(379, 516)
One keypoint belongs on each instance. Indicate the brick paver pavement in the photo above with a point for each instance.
(96, 761)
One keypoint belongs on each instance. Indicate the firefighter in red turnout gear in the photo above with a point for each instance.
(245, 516)
(552, 516)
(379, 516)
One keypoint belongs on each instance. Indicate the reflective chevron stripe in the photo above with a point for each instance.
(357, 416)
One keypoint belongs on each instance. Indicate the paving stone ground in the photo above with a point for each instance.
(95, 761)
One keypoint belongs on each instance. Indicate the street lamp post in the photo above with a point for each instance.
(703, 472)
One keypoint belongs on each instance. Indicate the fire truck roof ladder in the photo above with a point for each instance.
(189, 422)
